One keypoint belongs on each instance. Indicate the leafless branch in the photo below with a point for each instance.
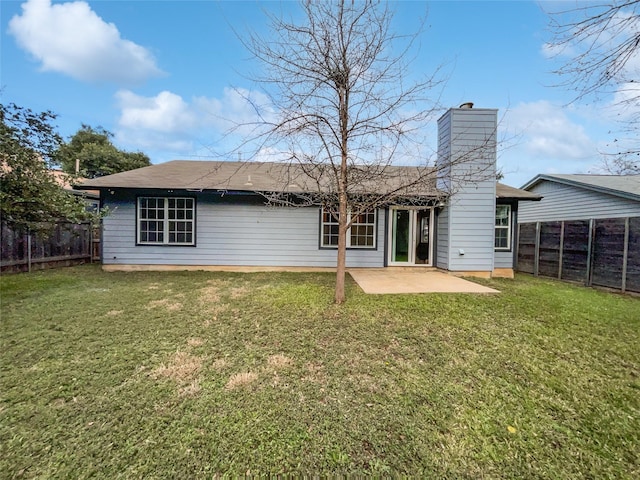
(601, 44)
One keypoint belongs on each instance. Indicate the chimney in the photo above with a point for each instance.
(466, 172)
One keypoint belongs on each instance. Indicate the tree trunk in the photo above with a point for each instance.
(342, 254)
(342, 195)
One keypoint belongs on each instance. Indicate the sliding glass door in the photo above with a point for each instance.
(410, 236)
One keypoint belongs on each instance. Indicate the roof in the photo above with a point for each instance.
(267, 177)
(506, 192)
(625, 186)
(64, 180)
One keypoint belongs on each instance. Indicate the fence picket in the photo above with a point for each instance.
(602, 252)
(67, 243)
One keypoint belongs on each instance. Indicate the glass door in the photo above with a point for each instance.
(401, 235)
(410, 241)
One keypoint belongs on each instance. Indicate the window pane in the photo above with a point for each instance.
(360, 234)
(502, 240)
(327, 217)
(151, 221)
(362, 230)
(503, 226)
(502, 215)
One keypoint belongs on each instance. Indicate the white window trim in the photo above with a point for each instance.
(363, 247)
(165, 221)
(504, 227)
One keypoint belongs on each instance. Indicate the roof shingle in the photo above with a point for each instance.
(269, 177)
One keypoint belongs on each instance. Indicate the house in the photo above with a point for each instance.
(582, 197)
(585, 229)
(205, 214)
(91, 198)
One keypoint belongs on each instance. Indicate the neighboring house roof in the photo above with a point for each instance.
(625, 186)
(506, 192)
(64, 180)
(265, 177)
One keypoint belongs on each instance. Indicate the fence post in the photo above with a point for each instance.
(29, 249)
(561, 250)
(536, 252)
(625, 254)
(592, 227)
(516, 247)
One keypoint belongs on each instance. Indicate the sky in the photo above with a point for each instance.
(163, 76)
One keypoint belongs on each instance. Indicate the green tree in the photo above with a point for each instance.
(29, 194)
(96, 154)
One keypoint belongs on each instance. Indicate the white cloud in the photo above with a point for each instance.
(550, 50)
(546, 131)
(71, 38)
(164, 113)
(543, 138)
(168, 122)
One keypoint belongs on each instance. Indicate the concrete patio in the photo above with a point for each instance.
(413, 280)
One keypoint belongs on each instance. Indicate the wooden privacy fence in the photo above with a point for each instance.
(602, 252)
(61, 245)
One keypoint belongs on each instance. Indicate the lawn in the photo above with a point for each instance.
(196, 374)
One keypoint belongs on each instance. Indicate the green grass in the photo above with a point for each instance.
(182, 375)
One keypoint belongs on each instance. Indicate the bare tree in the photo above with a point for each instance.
(602, 43)
(619, 165)
(342, 112)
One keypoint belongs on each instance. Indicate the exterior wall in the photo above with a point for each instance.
(505, 258)
(442, 239)
(567, 202)
(467, 169)
(236, 234)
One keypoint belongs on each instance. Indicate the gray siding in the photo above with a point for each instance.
(566, 202)
(504, 258)
(235, 234)
(442, 242)
(471, 156)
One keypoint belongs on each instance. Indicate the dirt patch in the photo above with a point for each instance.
(164, 303)
(219, 364)
(279, 361)
(366, 381)
(195, 342)
(210, 298)
(58, 403)
(315, 373)
(183, 368)
(239, 292)
(190, 390)
(114, 313)
(240, 380)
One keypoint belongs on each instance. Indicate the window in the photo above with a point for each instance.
(503, 227)
(362, 233)
(166, 221)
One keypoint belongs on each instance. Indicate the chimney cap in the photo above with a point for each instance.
(467, 105)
